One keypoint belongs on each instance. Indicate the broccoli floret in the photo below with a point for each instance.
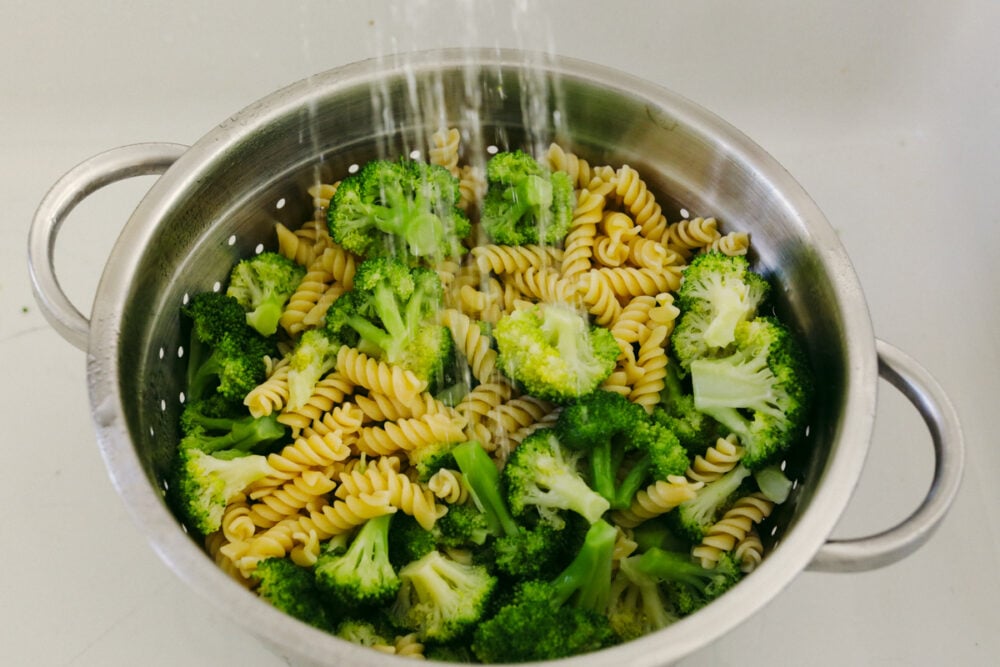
(205, 484)
(525, 202)
(554, 352)
(760, 391)
(314, 355)
(462, 526)
(693, 517)
(363, 632)
(262, 285)
(363, 575)
(611, 429)
(440, 598)
(292, 589)
(563, 617)
(689, 585)
(409, 541)
(676, 411)
(207, 429)
(391, 314)
(519, 550)
(402, 208)
(225, 354)
(638, 605)
(542, 475)
(717, 292)
(428, 459)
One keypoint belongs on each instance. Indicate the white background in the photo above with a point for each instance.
(887, 112)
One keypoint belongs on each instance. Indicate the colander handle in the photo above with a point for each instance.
(894, 544)
(76, 185)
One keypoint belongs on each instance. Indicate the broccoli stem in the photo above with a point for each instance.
(483, 479)
(587, 579)
(632, 482)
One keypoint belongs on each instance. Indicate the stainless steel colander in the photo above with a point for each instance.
(218, 199)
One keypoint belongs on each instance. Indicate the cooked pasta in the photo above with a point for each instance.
(656, 499)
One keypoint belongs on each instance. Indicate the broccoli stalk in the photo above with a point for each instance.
(541, 474)
(262, 285)
(690, 586)
(292, 589)
(213, 433)
(401, 208)
(441, 599)
(759, 391)
(525, 202)
(638, 605)
(519, 551)
(677, 412)
(554, 352)
(391, 314)
(563, 617)
(362, 575)
(205, 484)
(609, 427)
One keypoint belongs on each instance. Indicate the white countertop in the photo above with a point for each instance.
(888, 114)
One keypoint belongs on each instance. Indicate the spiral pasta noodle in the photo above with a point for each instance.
(732, 528)
(749, 552)
(403, 494)
(579, 243)
(364, 371)
(656, 499)
(559, 159)
(448, 485)
(652, 361)
(732, 244)
(286, 501)
(328, 392)
(444, 149)
(476, 347)
(409, 434)
(513, 258)
(629, 281)
(269, 396)
(314, 451)
(717, 460)
(631, 190)
(688, 235)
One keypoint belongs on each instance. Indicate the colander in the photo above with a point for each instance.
(218, 200)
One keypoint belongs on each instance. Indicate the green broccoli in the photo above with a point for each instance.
(773, 483)
(689, 585)
(638, 605)
(676, 411)
(428, 459)
(314, 355)
(292, 589)
(409, 541)
(611, 429)
(403, 208)
(760, 391)
(693, 517)
(462, 526)
(541, 474)
(225, 354)
(262, 285)
(525, 202)
(440, 598)
(558, 618)
(554, 352)
(717, 292)
(391, 315)
(205, 484)
(363, 632)
(519, 550)
(205, 428)
(363, 575)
